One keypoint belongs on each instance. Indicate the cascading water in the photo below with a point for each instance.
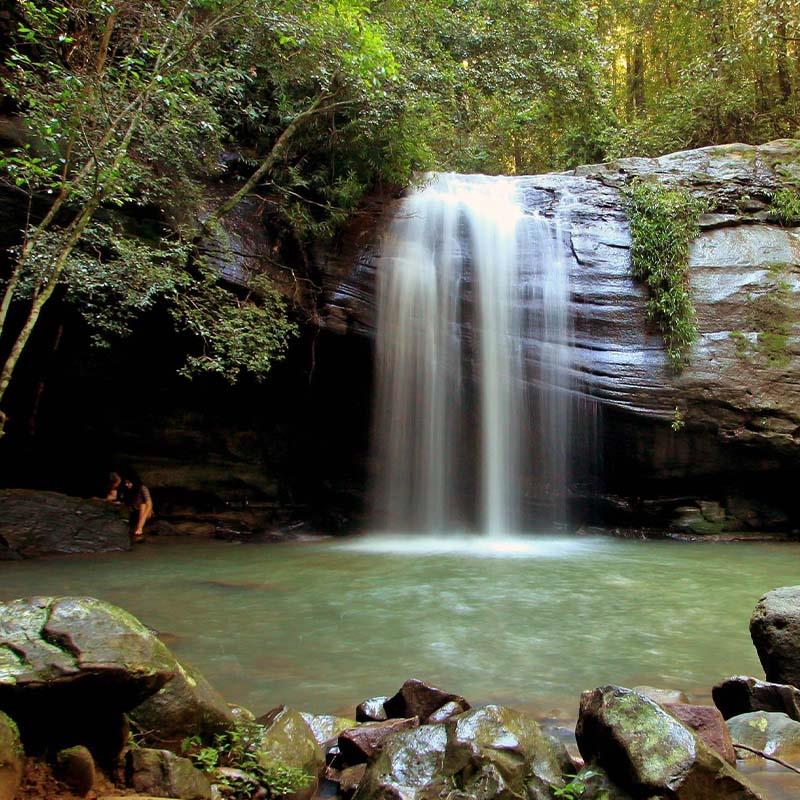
(475, 368)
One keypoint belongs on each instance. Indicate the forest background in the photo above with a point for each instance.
(131, 130)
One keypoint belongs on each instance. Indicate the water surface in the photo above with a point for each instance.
(529, 622)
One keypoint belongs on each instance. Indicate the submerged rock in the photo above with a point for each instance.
(12, 758)
(742, 695)
(771, 732)
(163, 774)
(416, 698)
(775, 630)
(647, 752)
(34, 523)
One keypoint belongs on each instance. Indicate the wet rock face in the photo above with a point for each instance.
(491, 752)
(188, 705)
(775, 630)
(36, 523)
(740, 393)
(359, 744)
(647, 752)
(743, 695)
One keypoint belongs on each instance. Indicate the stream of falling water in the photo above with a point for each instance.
(474, 360)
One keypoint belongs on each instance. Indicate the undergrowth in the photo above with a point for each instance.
(664, 222)
(239, 749)
(785, 206)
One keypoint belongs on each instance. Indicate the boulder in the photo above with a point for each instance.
(75, 767)
(409, 767)
(327, 728)
(490, 753)
(662, 696)
(708, 724)
(359, 744)
(288, 739)
(498, 746)
(34, 523)
(416, 698)
(770, 732)
(371, 710)
(12, 758)
(647, 752)
(742, 695)
(186, 706)
(70, 667)
(775, 630)
(161, 773)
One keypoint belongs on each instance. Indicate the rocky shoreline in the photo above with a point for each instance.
(92, 700)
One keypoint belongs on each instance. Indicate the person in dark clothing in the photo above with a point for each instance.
(136, 496)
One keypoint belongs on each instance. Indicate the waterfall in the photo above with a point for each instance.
(474, 360)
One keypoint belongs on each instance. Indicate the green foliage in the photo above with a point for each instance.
(576, 787)
(663, 222)
(785, 206)
(678, 422)
(238, 748)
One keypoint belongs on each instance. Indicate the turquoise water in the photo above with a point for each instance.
(527, 622)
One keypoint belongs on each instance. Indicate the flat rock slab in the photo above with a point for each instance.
(742, 694)
(34, 523)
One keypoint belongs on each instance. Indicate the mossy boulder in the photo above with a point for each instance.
(647, 752)
(75, 767)
(70, 667)
(12, 758)
(188, 705)
(775, 630)
(161, 773)
(288, 739)
(771, 732)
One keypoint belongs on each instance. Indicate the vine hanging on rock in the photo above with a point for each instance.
(664, 221)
